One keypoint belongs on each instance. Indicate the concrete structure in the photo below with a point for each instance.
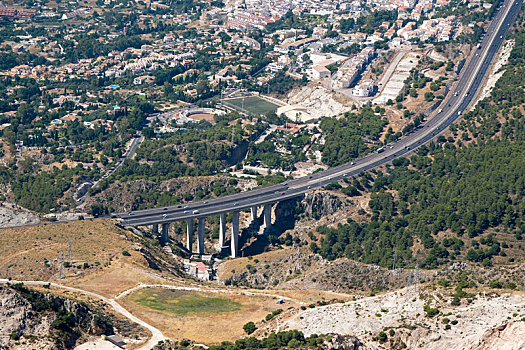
(189, 234)
(234, 243)
(163, 234)
(320, 72)
(458, 101)
(364, 89)
(200, 236)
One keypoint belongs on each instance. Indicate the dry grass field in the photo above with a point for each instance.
(202, 317)
(34, 252)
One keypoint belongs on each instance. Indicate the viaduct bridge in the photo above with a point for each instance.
(463, 94)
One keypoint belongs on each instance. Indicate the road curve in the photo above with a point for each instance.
(156, 335)
(460, 98)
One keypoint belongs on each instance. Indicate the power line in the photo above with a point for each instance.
(61, 271)
(69, 251)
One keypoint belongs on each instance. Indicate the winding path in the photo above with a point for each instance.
(156, 335)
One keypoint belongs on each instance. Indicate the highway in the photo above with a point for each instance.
(460, 98)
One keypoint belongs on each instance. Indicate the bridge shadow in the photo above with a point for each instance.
(253, 242)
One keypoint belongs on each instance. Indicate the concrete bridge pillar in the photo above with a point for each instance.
(155, 228)
(222, 229)
(254, 213)
(164, 236)
(235, 235)
(189, 234)
(200, 236)
(267, 215)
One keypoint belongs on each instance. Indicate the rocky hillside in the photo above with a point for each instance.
(32, 319)
(297, 268)
(135, 194)
(13, 215)
(421, 318)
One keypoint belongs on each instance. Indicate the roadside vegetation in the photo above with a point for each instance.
(466, 186)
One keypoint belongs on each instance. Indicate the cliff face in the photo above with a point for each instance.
(31, 319)
(318, 204)
(510, 336)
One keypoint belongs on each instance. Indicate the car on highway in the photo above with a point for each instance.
(130, 213)
(309, 187)
(179, 206)
(196, 211)
(352, 163)
(205, 202)
(165, 208)
(186, 211)
(186, 207)
(164, 216)
(440, 110)
(282, 193)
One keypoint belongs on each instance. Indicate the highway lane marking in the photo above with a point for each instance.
(456, 105)
(497, 23)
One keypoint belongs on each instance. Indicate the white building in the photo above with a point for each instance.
(364, 89)
(320, 72)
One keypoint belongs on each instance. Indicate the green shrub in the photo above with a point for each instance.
(430, 311)
(249, 327)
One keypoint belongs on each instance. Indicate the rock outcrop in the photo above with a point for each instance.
(509, 336)
(46, 321)
(318, 204)
(342, 342)
(12, 215)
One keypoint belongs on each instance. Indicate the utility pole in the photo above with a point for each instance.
(69, 251)
(61, 270)
(416, 277)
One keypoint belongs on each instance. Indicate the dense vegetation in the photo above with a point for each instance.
(287, 339)
(201, 149)
(463, 186)
(346, 137)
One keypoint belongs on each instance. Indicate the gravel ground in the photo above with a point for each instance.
(495, 74)
(319, 101)
(12, 215)
(403, 310)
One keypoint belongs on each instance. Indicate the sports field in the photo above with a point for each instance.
(251, 105)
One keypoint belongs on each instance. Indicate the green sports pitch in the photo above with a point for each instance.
(252, 105)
